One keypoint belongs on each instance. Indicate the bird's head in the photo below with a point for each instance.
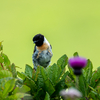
(38, 39)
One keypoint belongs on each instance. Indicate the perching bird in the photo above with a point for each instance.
(42, 51)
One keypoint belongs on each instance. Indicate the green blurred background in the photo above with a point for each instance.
(69, 25)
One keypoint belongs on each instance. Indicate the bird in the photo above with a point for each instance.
(42, 53)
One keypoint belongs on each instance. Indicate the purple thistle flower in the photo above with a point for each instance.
(77, 63)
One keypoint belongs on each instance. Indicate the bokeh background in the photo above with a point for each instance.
(69, 25)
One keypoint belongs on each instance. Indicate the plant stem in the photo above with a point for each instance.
(77, 82)
(2, 65)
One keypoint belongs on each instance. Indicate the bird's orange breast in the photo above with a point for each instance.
(43, 47)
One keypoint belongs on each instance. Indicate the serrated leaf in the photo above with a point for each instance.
(95, 77)
(39, 94)
(28, 81)
(71, 72)
(53, 73)
(47, 96)
(8, 87)
(28, 70)
(36, 73)
(62, 62)
(88, 71)
(6, 59)
(13, 70)
(97, 95)
(82, 82)
(48, 85)
(3, 81)
(16, 96)
(22, 89)
(40, 81)
(5, 73)
(21, 75)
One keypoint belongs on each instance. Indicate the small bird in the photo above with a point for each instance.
(42, 52)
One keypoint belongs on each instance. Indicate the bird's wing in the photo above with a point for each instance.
(35, 48)
(50, 46)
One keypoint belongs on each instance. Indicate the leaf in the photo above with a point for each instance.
(16, 96)
(47, 96)
(22, 89)
(3, 81)
(96, 94)
(1, 97)
(27, 97)
(13, 70)
(62, 62)
(88, 71)
(28, 70)
(8, 87)
(53, 74)
(71, 74)
(35, 74)
(28, 81)
(82, 84)
(38, 77)
(75, 54)
(39, 95)
(5, 73)
(21, 75)
(95, 77)
(6, 60)
(48, 85)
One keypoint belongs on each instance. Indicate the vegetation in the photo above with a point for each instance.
(45, 84)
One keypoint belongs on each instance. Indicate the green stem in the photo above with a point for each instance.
(77, 82)
(2, 65)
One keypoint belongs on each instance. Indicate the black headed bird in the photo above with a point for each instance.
(42, 51)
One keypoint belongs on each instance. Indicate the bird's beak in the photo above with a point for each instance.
(35, 41)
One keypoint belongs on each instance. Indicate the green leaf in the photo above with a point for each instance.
(13, 70)
(6, 60)
(3, 81)
(36, 73)
(96, 94)
(52, 72)
(40, 81)
(8, 87)
(16, 96)
(21, 75)
(28, 81)
(88, 71)
(1, 97)
(47, 96)
(22, 89)
(39, 95)
(75, 54)
(82, 82)
(5, 73)
(95, 77)
(48, 85)
(28, 70)
(62, 62)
